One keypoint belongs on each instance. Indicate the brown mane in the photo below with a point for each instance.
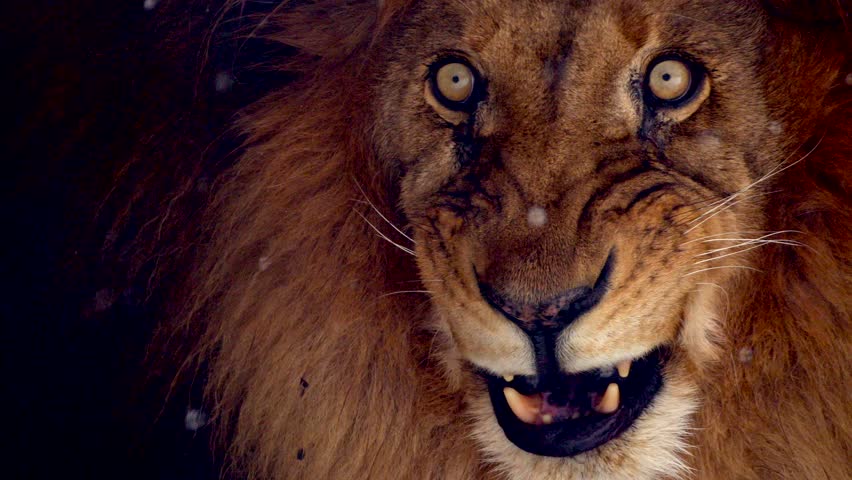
(777, 401)
(316, 370)
(298, 329)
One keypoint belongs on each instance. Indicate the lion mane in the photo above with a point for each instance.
(322, 360)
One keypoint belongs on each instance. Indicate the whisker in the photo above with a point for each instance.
(773, 172)
(790, 243)
(711, 216)
(724, 207)
(367, 199)
(404, 291)
(387, 221)
(382, 235)
(701, 239)
(744, 267)
(702, 203)
(748, 241)
(776, 170)
(730, 254)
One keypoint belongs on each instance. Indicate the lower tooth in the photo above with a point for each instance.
(547, 419)
(610, 400)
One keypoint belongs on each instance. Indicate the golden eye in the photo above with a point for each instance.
(455, 82)
(669, 80)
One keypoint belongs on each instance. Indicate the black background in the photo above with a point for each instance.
(84, 84)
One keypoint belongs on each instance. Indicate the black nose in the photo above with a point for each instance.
(555, 313)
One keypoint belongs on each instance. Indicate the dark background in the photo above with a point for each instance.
(104, 101)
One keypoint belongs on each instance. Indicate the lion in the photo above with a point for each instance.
(492, 239)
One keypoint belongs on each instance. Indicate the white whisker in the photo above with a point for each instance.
(750, 241)
(367, 200)
(766, 235)
(726, 233)
(382, 235)
(777, 170)
(744, 267)
(790, 243)
(724, 205)
(405, 291)
(729, 254)
(713, 215)
(746, 241)
(726, 199)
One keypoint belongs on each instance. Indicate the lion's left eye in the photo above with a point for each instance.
(454, 83)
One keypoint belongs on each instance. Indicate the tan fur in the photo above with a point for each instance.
(297, 287)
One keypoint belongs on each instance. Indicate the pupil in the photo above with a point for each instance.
(455, 79)
(667, 77)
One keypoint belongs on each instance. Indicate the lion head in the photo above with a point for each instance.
(601, 202)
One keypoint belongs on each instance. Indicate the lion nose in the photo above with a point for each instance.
(543, 321)
(554, 313)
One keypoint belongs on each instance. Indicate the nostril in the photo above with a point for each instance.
(554, 313)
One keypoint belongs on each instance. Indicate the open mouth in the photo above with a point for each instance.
(571, 413)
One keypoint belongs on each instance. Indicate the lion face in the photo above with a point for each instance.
(575, 175)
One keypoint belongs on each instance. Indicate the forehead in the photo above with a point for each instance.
(514, 32)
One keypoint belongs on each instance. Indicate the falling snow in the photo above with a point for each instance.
(202, 185)
(709, 140)
(104, 298)
(195, 419)
(745, 355)
(263, 263)
(150, 4)
(775, 127)
(536, 217)
(223, 82)
(849, 79)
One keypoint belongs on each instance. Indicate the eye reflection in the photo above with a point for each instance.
(669, 80)
(455, 82)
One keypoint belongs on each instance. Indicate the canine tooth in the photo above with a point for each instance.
(611, 399)
(623, 368)
(524, 407)
(547, 419)
(508, 378)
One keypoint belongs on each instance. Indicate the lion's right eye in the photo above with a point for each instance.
(669, 80)
(454, 83)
